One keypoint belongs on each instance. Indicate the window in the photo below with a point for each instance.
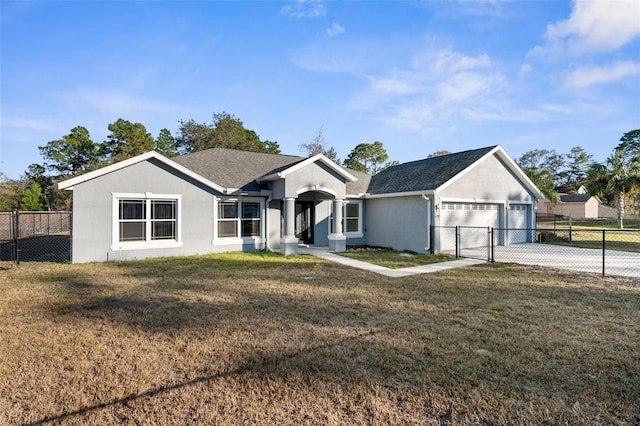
(250, 219)
(227, 219)
(239, 219)
(351, 218)
(145, 221)
(163, 219)
(132, 220)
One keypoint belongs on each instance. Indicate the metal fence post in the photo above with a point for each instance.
(488, 243)
(17, 237)
(604, 239)
(457, 242)
(70, 236)
(492, 252)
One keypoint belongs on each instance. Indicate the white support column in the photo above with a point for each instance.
(289, 242)
(337, 239)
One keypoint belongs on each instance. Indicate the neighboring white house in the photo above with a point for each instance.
(222, 200)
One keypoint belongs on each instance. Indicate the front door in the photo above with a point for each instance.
(305, 220)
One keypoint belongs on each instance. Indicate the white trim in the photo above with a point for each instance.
(472, 200)
(70, 183)
(238, 240)
(397, 194)
(320, 188)
(117, 245)
(318, 157)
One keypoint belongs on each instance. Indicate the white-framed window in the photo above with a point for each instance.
(238, 220)
(146, 220)
(351, 218)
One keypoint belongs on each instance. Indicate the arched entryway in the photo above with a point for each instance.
(313, 217)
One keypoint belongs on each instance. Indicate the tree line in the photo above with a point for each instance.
(616, 181)
(76, 153)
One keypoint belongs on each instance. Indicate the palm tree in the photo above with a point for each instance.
(619, 176)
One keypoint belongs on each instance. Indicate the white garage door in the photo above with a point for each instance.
(517, 223)
(474, 218)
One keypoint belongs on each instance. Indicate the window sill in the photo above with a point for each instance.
(145, 245)
(354, 234)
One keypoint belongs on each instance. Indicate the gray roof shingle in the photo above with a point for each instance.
(574, 198)
(231, 168)
(424, 175)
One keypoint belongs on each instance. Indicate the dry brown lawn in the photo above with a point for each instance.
(262, 339)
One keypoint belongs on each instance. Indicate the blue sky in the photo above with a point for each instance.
(419, 76)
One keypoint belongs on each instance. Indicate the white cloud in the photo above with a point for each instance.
(584, 77)
(335, 29)
(113, 102)
(305, 9)
(448, 61)
(465, 86)
(444, 77)
(42, 124)
(525, 69)
(593, 26)
(436, 90)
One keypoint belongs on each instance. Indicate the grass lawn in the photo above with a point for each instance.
(583, 234)
(263, 339)
(612, 224)
(396, 259)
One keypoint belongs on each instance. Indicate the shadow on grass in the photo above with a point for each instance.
(249, 366)
(505, 329)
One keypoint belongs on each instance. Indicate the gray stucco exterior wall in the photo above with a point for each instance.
(487, 180)
(93, 221)
(401, 223)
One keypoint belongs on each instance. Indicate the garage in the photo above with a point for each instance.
(517, 223)
(474, 219)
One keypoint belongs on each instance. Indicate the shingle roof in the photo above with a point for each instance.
(231, 168)
(574, 198)
(360, 186)
(424, 175)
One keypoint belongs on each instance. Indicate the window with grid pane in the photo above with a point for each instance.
(132, 220)
(352, 217)
(227, 219)
(163, 219)
(250, 222)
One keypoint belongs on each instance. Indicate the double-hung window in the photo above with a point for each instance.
(239, 219)
(351, 218)
(145, 221)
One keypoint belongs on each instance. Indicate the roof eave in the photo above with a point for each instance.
(430, 192)
(70, 183)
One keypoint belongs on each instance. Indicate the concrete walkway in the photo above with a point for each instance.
(324, 253)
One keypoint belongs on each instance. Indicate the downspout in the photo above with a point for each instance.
(428, 200)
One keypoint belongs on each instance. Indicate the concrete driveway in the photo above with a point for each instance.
(572, 258)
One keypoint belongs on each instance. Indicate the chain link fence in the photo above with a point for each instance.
(603, 251)
(35, 236)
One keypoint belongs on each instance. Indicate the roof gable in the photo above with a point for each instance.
(70, 183)
(282, 172)
(436, 173)
(424, 175)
